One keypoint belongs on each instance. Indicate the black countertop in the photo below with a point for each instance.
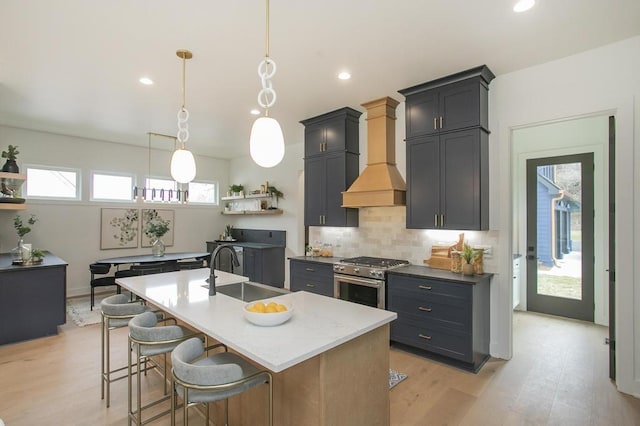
(317, 259)
(49, 260)
(441, 274)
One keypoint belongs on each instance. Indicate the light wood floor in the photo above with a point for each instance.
(557, 376)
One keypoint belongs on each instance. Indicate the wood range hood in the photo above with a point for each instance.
(380, 183)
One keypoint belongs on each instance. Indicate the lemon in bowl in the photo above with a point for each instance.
(268, 313)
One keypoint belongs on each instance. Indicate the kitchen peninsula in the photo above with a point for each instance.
(325, 358)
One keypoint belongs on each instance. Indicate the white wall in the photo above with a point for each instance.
(71, 230)
(600, 80)
(286, 176)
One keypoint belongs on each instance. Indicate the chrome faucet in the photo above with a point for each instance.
(214, 255)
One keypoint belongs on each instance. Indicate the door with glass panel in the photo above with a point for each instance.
(560, 255)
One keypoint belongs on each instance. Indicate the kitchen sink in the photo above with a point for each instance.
(249, 291)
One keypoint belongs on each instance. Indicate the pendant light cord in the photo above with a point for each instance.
(267, 30)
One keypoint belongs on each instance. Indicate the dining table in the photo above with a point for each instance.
(149, 258)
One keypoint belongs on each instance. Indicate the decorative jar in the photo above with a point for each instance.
(157, 247)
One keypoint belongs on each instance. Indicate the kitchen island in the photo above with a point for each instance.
(330, 360)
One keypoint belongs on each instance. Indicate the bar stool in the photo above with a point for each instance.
(216, 377)
(146, 340)
(116, 313)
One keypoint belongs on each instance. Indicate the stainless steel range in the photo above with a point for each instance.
(363, 279)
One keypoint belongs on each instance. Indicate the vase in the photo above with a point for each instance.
(10, 167)
(17, 253)
(467, 269)
(157, 247)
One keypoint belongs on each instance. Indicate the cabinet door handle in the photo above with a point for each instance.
(310, 269)
(424, 336)
(441, 220)
(435, 220)
(425, 287)
(441, 122)
(435, 123)
(423, 309)
(310, 285)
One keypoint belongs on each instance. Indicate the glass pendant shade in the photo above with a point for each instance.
(266, 143)
(183, 166)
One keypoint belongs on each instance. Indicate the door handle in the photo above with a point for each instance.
(424, 336)
(441, 122)
(423, 309)
(441, 220)
(435, 123)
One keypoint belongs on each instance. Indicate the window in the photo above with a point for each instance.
(53, 183)
(203, 192)
(111, 187)
(162, 190)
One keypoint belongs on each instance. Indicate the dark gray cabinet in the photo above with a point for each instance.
(447, 319)
(265, 265)
(448, 152)
(32, 298)
(311, 276)
(448, 184)
(331, 166)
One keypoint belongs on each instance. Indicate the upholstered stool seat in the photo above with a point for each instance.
(213, 378)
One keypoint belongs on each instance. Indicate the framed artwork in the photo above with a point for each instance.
(156, 216)
(118, 228)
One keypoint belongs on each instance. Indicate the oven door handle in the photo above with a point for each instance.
(360, 281)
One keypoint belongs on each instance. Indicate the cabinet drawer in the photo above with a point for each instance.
(312, 277)
(428, 287)
(442, 311)
(451, 343)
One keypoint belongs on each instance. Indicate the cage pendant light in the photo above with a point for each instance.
(183, 165)
(266, 143)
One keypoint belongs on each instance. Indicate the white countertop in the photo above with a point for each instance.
(318, 324)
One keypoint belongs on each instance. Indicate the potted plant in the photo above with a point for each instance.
(36, 255)
(236, 190)
(155, 229)
(227, 232)
(467, 256)
(275, 192)
(10, 154)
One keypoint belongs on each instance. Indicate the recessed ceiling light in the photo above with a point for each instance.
(523, 5)
(255, 112)
(344, 75)
(146, 81)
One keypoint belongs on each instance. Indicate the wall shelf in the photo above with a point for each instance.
(13, 181)
(246, 197)
(253, 212)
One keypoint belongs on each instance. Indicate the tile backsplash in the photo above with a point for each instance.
(383, 233)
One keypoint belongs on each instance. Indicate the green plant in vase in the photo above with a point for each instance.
(236, 189)
(11, 154)
(155, 228)
(20, 253)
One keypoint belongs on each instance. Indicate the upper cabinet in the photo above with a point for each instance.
(448, 152)
(456, 102)
(331, 165)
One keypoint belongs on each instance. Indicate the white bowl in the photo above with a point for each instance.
(268, 319)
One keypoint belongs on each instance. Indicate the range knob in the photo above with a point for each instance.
(356, 270)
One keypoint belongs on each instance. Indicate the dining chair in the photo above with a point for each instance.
(191, 264)
(147, 340)
(116, 311)
(201, 380)
(101, 269)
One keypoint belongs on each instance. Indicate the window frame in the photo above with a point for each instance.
(78, 174)
(108, 173)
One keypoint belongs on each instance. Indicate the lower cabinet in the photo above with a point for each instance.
(264, 265)
(32, 298)
(446, 319)
(310, 276)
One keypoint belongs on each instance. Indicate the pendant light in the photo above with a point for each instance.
(266, 143)
(183, 165)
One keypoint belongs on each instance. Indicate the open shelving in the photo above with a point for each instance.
(13, 180)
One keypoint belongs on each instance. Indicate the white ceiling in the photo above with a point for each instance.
(72, 66)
